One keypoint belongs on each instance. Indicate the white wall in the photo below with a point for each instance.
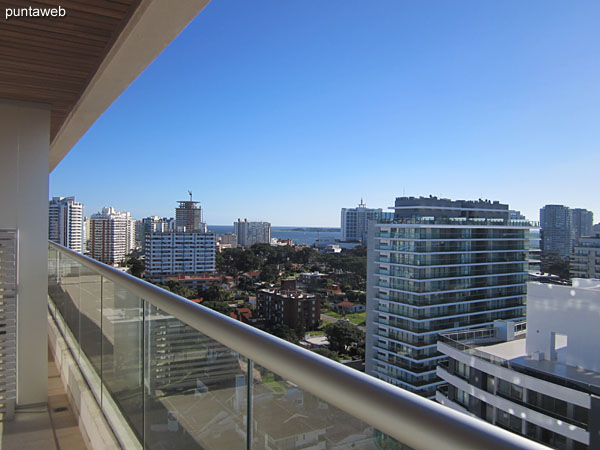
(24, 146)
(570, 310)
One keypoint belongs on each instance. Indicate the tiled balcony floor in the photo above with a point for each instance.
(44, 428)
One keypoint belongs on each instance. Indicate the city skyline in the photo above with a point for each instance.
(306, 108)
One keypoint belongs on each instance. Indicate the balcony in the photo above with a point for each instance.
(168, 373)
(143, 367)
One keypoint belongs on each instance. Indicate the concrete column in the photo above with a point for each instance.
(24, 147)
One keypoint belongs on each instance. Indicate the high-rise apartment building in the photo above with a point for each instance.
(250, 233)
(538, 379)
(87, 235)
(112, 235)
(515, 215)
(65, 224)
(188, 216)
(555, 222)
(440, 265)
(354, 222)
(585, 259)
(177, 252)
(151, 224)
(582, 222)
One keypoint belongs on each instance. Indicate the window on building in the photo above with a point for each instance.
(462, 397)
(463, 370)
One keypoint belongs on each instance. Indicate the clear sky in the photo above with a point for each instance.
(287, 111)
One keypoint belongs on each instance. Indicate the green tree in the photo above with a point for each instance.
(177, 287)
(135, 264)
(216, 293)
(221, 307)
(554, 264)
(342, 335)
(269, 273)
(284, 332)
(327, 353)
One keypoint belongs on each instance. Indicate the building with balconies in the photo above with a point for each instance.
(540, 380)
(65, 223)
(250, 233)
(112, 235)
(440, 265)
(585, 259)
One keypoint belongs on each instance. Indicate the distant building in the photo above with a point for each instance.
(311, 280)
(250, 233)
(332, 248)
(585, 259)
(87, 235)
(151, 224)
(112, 234)
(65, 223)
(188, 216)
(582, 222)
(542, 383)
(354, 222)
(203, 280)
(441, 265)
(555, 222)
(289, 307)
(349, 307)
(174, 253)
(229, 240)
(515, 215)
(535, 249)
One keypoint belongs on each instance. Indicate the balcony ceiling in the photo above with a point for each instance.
(52, 59)
(79, 64)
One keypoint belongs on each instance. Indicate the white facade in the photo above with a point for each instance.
(174, 253)
(545, 385)
(65, 223)
(250, 233)
(87, 235)
(112, 235)
(152, 224)
(354, 222)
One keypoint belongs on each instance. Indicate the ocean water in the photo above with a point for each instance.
(306, 236)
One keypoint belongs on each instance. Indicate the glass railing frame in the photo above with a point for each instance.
(407, 417)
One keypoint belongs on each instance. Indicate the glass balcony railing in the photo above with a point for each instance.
(171, 374)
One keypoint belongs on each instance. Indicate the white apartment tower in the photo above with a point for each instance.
(65, 225)
(354, 222)
(250, 233)
(175, 253)
(112, 235)
(440, 265)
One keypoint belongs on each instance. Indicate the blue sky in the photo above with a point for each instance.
(287, 111)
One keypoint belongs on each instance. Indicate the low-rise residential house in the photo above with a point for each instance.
(204, 281)
(349, 307)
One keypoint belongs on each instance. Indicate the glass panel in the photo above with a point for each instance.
(122, 353)
(66, 295)
(53, 264)
(286, 417)
(90, 331)
(195, 388)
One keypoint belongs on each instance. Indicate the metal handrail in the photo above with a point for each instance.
(407, 417)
